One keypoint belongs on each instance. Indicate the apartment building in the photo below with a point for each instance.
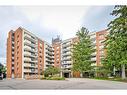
(45, 56)
(48, 55)
(66, 54)
(97, 39)
(21, 54)
(27, 55)
(40, 56)
(93, 39)
(56, 44)
(100, 51)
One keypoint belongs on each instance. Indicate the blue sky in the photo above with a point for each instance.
(49, 21)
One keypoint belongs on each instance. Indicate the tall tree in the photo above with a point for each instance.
(116, 43)
(82, 51)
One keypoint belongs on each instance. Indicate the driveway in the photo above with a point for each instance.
(71, 83)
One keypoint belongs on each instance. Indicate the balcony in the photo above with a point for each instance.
(93, 64)
(13, 68)
(26, 48)
(27, 65)
(49, 53)
(67, 62)
(93, 59)
(66, 54)
(101, 47)
(31, 70)
(66, 66)
(49, 49)
(66, 50)
(93, 54)
(30, 38)
(13, 42)
(35, 61)
(30, 44)
(13, 63)
(27, 70)
(68, 58)
(27, 59)
(27, 54)
(66, 45)
(12, 52)
(93, 36)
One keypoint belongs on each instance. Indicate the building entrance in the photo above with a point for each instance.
(66, 75)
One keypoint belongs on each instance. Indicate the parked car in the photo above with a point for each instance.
(1, 76)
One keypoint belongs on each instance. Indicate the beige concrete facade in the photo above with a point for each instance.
(66, 60)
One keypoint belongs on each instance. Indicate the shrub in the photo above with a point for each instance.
(51, 71)
(43, 78)
(54, 78)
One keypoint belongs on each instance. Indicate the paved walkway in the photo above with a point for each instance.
(71, 83)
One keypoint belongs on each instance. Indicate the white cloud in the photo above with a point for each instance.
(49, 21)
(2, 60)
(66, 20)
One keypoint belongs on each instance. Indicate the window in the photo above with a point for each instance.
(17, 47)
(101, 41)
(57, 55)
(17, 42)
(57, 47)
(18, 36)
(13, 45)
(12, 34)
(101, 35)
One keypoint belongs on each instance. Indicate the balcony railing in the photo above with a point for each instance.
(66, 54)
(66, 45)
(93, 59)
(30, 50)
(30, 38)
(30, 44)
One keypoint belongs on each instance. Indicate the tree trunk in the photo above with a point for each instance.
(114, 71)
(123, 72)
(81, 75)
(61, 74)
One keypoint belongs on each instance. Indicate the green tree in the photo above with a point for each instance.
(2, 69)
(51, 71)
(116, 43)
(81, 52)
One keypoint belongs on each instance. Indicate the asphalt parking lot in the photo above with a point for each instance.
(71, 83)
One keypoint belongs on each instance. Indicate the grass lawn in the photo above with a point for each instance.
(111, 79)
(53, 78)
